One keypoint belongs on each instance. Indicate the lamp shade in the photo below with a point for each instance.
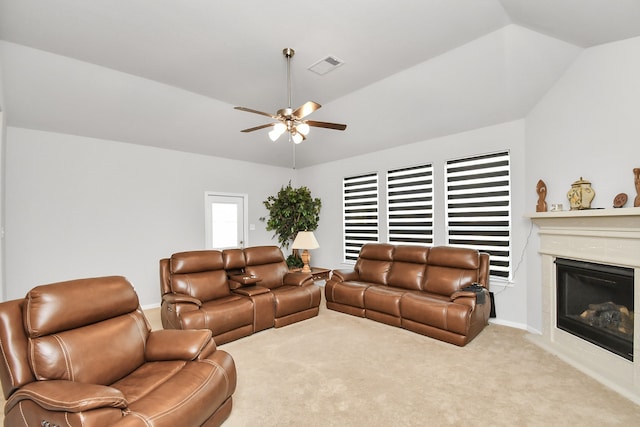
(305, 240)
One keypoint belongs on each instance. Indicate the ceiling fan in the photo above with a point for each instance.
(290, 120)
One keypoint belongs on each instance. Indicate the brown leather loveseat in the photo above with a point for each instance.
(81, 353)
(417, 288)
(234, 292)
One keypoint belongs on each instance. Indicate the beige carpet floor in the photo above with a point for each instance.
(340, 370)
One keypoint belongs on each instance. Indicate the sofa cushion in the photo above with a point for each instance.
(294, 299)
(449, 269)
(233, 259)
(220, 315)
(450, 256)
(196, 261)
(73, 340)
(267, 263)
(205, 286)
(374, 263)
(199, 274)
(176, 393)
(97, 354)
(271, 275)
(437, 312)
(408, 268)
(258, 255)
(47, 309)
(383, 299)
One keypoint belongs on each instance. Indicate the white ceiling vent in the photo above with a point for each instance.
(325, 65)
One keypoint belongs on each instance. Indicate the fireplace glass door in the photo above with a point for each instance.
(595, 303)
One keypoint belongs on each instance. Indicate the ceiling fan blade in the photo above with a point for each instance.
(306, 109)
(327, 125)
(249, 110)
(257, 127)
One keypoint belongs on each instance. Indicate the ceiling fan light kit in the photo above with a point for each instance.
(290, 120)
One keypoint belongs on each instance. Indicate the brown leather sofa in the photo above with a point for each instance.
(81, 353)
(416, 288)
(234, 292)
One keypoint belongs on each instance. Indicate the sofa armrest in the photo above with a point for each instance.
(178, 344)
(297, 278)
(470, 298)
(344, 275)
(178, 298)
(463, 294)
(68, 396)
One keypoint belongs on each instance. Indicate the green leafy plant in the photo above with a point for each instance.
(294, 260)
(290, 211)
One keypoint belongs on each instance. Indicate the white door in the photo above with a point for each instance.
(225, 220)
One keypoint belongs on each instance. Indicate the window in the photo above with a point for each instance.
(410, 205)
(360, 215)
(478, 210)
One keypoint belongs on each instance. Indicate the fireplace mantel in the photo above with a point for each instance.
(627, 219)
(608, 236)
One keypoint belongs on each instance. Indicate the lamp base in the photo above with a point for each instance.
(306, 258)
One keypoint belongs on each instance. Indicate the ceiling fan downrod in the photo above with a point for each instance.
(288, 53)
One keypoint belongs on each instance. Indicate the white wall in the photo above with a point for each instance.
(3, 128)
(325, 181)
(78, 206)
(81, 207)
(2, 192)
(587, 125)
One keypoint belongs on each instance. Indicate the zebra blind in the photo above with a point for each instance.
(360, 217)
(478, 209)
(410, 205)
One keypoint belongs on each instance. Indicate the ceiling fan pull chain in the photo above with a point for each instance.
(293, 148)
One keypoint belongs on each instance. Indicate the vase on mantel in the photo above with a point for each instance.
(581, 194)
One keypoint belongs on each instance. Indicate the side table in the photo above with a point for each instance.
(318, 273)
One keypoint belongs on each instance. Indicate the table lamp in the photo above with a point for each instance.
(305, 240)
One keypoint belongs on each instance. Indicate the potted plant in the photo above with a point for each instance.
(290, 211)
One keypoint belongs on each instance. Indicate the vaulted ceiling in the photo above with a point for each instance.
(167, 73)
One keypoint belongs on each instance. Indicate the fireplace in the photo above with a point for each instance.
(609, 240)
(595, 303)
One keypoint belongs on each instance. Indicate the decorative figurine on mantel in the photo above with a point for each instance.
(636, 180)
(620, 200)
(541, 189)
(581, 195)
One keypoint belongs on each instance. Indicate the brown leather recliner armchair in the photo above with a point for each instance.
(81, 353)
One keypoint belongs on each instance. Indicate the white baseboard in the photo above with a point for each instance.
(150, 306)
(508, 323)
